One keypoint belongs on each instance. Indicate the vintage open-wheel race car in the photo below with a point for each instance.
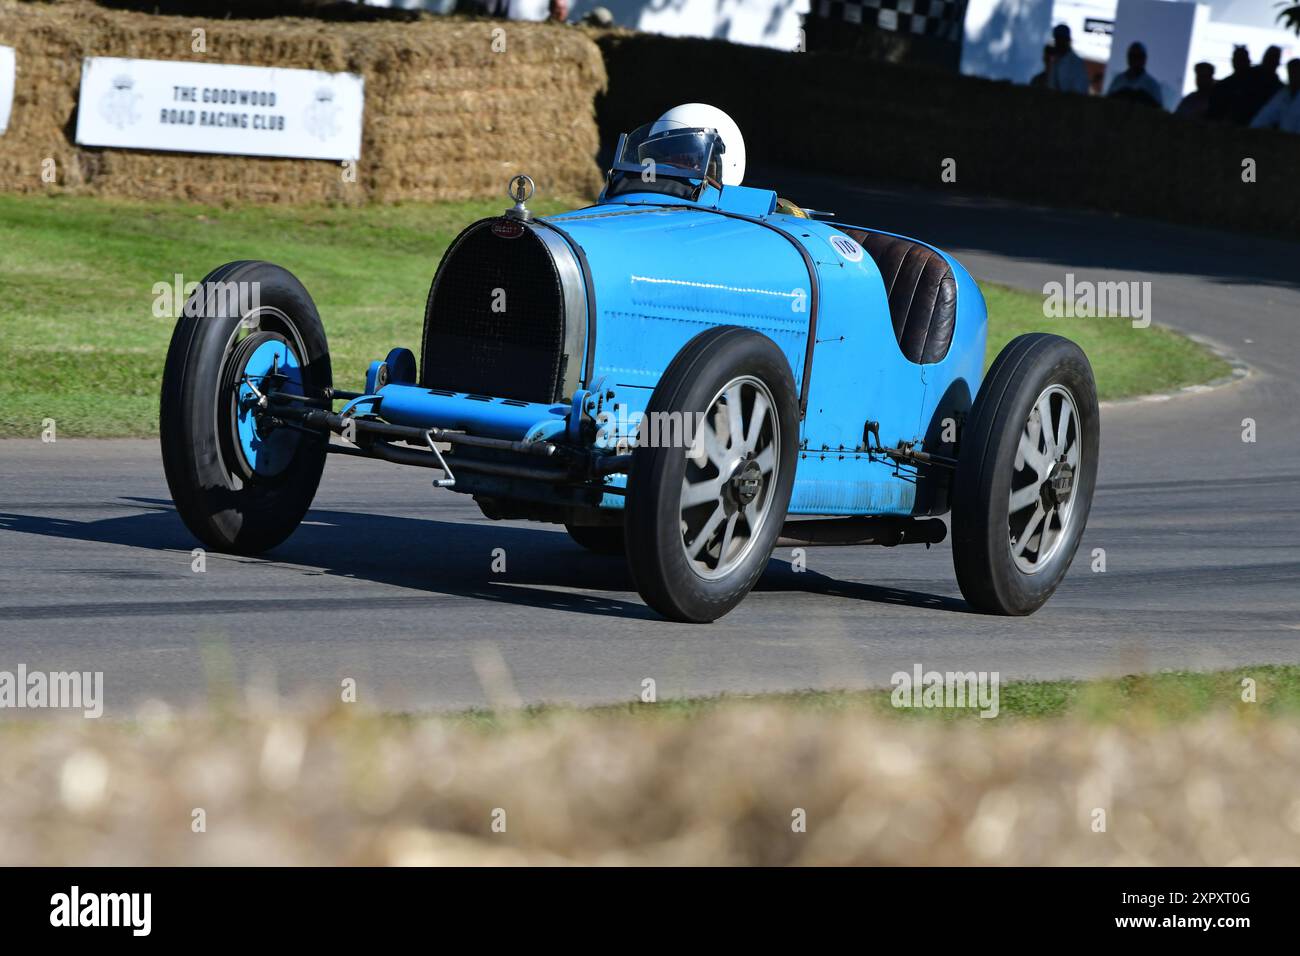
(690, 372)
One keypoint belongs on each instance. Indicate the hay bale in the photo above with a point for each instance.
(446, 117)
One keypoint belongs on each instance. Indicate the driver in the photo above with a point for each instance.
(679, 138)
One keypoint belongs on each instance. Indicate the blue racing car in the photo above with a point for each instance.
(690, 373)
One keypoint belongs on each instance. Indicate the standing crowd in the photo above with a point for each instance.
(1252, 95)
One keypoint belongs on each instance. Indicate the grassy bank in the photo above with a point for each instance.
(80, 343)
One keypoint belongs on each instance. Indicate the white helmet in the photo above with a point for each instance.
(702, 114)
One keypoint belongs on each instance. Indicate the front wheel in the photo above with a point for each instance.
(1025, 475)
(707, 494)
(240, 483)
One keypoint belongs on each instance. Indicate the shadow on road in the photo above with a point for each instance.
(779, 576)
(446, 557)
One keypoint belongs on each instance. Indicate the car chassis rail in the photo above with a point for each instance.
(573, 466)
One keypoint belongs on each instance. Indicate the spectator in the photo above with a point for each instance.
(559, 11)
(1049, 55)
(1262, 83)
(598, 17)
(1196, 104)
(1283, 110)
(1229, 100)
(1136, 83)
(1068, 74)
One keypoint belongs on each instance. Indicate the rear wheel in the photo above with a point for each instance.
(239, 483)
(1025, 475)
(704, 512)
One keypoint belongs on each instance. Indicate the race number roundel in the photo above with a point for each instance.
(847, 248)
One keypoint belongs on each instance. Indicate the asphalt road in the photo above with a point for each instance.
(390, 582)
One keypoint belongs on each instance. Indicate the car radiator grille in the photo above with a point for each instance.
(495, 319)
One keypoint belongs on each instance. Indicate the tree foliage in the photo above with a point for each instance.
(1289, 16)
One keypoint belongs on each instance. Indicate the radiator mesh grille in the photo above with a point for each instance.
(495, 319)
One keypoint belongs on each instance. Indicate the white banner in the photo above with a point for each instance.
(6, 85)
(219, 108)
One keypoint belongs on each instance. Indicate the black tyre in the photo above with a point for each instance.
(704, 512)
(239, 483)
(599, 539)
(1025, 475)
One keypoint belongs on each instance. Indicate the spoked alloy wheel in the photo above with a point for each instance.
(1041, 504)
(702, 517)
(1025, 475)
(731, 471)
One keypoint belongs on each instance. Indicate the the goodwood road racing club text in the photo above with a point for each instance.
(222, 108)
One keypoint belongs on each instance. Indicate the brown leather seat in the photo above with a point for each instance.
(922, 293)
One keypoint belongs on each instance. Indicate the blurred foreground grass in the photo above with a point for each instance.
(723, 782)
(1156, 697)
(80, 344)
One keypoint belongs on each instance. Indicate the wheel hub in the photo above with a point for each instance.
(744, 485)
(261, 360)
(1059, 485)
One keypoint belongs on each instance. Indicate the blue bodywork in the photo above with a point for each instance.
(661, 269)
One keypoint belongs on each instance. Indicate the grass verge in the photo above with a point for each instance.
(80, 343)
(1167, 696)
(1126, 361)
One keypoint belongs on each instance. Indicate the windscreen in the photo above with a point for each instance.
(675, 148)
